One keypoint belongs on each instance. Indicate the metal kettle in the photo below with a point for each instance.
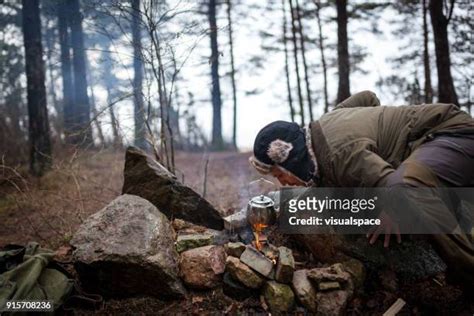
(261, 212)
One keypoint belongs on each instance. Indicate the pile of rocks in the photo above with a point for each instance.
(244, 271)
(133, 239)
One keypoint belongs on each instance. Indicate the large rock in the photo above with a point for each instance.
(125, 243)
(410, 260)
(279, 297)
(202, 268)
(145, 177)
(304, 290)
(242, 273)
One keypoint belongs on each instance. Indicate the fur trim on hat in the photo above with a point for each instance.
(261, 167)
(279, 150)
(309, 146)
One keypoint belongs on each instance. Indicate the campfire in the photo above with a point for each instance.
(260, 237)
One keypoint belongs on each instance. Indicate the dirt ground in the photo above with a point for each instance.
(49, 210)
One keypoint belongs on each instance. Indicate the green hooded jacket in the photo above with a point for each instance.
(360, 142)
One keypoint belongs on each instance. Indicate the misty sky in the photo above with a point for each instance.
(269, 102)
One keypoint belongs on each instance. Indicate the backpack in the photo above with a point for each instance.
(30, 274)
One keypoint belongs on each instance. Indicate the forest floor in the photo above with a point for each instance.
(50, 209)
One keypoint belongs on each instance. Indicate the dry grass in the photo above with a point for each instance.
(50, 209)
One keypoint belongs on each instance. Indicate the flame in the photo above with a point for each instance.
(258, 228)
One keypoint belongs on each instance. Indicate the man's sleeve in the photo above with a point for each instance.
(361, 99)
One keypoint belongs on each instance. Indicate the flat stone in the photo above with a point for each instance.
(242, 273)
(285, 266)
(257, 261)
(234, 249)
(327, 286)
(332, 303)
(145, 177)
(202, 268)
(279, 297)
(334, 273)
(126, 242)
(304, 290)
(235, 289)
(186, 242)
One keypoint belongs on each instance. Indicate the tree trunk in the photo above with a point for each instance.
(343, 90)
(426, 57)
(439, 22)
(66, 72)
(117, 139)
(323, 58)
(232, 74)
(139, 108)
(49, 41)
(94, 111)
(305, 64)
(217, 141)
(295, 53)
(82, 129)
(287, 68)
(40, 143)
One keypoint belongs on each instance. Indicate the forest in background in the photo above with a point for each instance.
(94, 74)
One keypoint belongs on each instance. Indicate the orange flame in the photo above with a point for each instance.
(258, 228)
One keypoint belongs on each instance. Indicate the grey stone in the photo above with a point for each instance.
(332, 303)
(127, 242)
(334, 273)
(234, 249)
(242, 273)
(257, 261)
(202, 268)
(304, 290)
(285, 266)
(236, 220)
(186, 242)
(279, 297)
(145, 177)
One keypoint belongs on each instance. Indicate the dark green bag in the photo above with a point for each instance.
(30, 274)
